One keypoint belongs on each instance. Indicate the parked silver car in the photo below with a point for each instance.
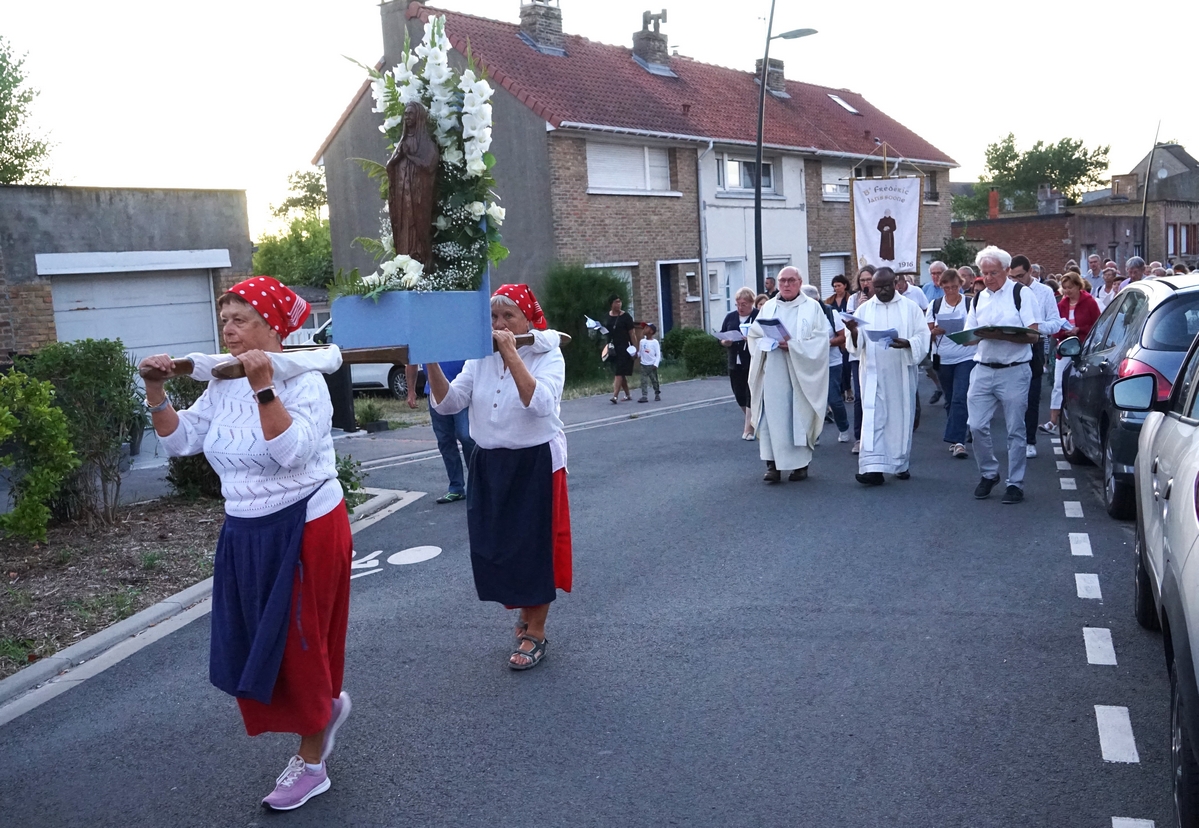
(373, 376)
(1166, 475)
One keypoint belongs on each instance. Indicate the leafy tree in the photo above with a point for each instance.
(303, 254)
(1067, 166)
(956, 252)
(308, 194)
(570, 294)
(22, 154)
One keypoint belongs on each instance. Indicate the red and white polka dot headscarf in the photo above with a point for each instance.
(278, 304)
(523, 296)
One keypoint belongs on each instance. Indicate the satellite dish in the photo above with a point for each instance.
(1161, 172)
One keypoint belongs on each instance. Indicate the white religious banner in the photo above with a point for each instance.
(886, 222)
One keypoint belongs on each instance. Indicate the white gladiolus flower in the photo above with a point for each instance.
(477, 209)
(496, 213)
(393, 121)
(380, 94)
(411, 93)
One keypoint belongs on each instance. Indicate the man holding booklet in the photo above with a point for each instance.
(788, 377)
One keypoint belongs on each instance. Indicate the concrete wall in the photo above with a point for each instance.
(98, 219)
(594, 229)
(522, 173)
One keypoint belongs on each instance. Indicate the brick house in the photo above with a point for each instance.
(641, 161)
(1107, 222)
(141, 265)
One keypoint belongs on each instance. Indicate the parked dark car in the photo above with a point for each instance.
(1147, 329)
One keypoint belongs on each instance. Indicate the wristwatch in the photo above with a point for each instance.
(266, 395)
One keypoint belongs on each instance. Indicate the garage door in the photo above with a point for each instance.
(151, 312)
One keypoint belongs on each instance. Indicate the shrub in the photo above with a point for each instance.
(676, 339)
(40, 453)
(190, 477)
(704, 356)
(572, 293)
(349, 474)
(94, 384)
(368, 411)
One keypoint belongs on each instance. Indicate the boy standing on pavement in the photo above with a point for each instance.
(649, 353)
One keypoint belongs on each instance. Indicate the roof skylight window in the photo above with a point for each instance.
(843, 104)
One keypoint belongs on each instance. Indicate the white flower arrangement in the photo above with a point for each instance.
(467, 218)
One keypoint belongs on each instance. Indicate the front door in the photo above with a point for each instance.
(667, 279)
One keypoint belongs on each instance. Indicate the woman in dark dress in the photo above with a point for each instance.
(745, 314)
(620, 327)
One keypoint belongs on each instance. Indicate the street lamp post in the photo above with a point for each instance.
(791, 35)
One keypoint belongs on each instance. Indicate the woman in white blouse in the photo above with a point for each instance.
(281, 576)
(518, 514)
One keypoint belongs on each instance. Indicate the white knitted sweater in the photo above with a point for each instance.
(259, 476)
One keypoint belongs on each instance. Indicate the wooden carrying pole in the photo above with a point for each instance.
(350, 356)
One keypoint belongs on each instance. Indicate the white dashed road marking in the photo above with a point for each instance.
(1088, 586)
(1068, 483)
(1080, 544)
(1058, 451)
(1115, 734)
(1057, 441)
(1063, 465)
(1099, 645)
(1126, 822)
(1073, 508)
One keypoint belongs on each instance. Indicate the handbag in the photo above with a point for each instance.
(606, 353)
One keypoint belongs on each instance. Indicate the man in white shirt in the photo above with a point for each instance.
(1105, 291)
(1001, 377)
(1049, 321)
(1135, 268)
(904, 288)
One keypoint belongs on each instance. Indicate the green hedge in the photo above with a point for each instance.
(704, 356)
(676, 339)
(570, 294)
(191, 477)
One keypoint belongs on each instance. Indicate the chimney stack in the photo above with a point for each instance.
(993, 204)
(650, 45)
(541, 23)
(776, 82)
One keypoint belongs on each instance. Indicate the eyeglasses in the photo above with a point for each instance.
(788, 281)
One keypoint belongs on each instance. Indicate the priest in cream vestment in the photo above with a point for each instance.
(888, 378)
(788, 382)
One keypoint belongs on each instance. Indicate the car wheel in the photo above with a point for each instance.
(1146, 611)
(1182, 760)
(398, 383)
(1117, 495)
(1069, 447)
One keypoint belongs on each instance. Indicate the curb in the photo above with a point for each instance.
(47, 668)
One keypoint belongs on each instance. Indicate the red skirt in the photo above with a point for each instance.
(563, 565)
(315, 654)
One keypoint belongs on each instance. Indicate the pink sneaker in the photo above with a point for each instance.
(296, 785)
(341, 712)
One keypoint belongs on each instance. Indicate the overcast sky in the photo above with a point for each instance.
(239, 93)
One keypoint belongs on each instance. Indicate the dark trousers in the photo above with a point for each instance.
(955, 382)
(450, 430)
(835, 400)
(857, 400)
(1033, 412)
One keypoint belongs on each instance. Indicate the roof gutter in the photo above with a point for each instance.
(705, 139)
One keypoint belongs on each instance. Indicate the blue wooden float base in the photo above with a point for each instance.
(437, 326)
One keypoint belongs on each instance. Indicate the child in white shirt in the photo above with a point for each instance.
(650, 355)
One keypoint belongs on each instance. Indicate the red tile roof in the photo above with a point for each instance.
(600, 86)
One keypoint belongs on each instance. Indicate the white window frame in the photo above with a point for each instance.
(646, 180)
(621, 269)
(835, 190)
(722, 173)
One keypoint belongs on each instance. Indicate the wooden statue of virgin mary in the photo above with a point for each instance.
(412, 186)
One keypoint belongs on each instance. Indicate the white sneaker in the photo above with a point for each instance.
(1030, 451)
(857, 447)
(843, 437)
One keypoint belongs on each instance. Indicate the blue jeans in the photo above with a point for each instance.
(450, 430)
(955, 382)
(835, 399)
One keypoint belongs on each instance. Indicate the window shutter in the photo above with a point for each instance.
(830, 266)
(615, 166)
(834, 179)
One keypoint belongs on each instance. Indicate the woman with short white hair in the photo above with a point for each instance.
(740, 320)
(517, 511)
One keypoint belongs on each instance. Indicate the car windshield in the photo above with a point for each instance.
(1173, 325)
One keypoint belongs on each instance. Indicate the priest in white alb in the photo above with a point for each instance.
(888, 378)
(788, 380)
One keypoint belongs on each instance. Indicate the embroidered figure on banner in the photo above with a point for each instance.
(886, 240)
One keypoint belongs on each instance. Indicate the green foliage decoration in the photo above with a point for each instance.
(35, 433)
(94, 384)
(570, 294)
(704, 356)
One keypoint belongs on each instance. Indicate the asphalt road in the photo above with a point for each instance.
(734, 654)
